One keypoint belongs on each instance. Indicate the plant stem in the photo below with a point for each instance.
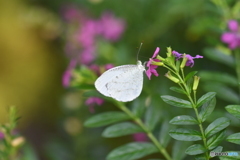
(237, 58)
(194, 105)
(145, 128)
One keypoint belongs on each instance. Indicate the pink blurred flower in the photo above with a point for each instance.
(140, 137)
(112, 27)
(87, 55)
(92, 101)
(1, 135)
(66, 79)
(83, 35)
(88, 32)
(97, 70)
(109, 66)
(71, 13)
(232, 38)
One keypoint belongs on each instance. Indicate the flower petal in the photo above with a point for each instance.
(156, 52)
(233, 25)
(148, 73)
(228, 37)
(233, 44)
(154, 72)
(149, 62)
(176, 54)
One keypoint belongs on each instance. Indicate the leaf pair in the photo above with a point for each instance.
(177, 102)
(235, 111)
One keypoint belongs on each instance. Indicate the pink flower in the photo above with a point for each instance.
(108, 66)
(152, 68)
(66, 79)
(1, 135)
(92, 101)
(88, 32)
(140, 137)
(71, 13)
(87, 55)
(97, 70)
(111, 27)
(232, 38)
(177, 55)
(190, 59)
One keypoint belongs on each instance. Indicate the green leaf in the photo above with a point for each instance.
(178, 148)
(132, 151)
(219, 77)
(218, 149)
(121, 129)
(178, 90)
(207, 109)
(164, 137)
(93, 93)
(83, 86)
(152, 117)
(195, 149)
(217, 55)
(215, 140)
(190, 75)
(107, 118)
(205, 98)
(176, 101)
(234, 138)
(183, 120)
(223, 92)
(184, 134)
(200, 157)
(232, 155)
(216, 126)
(234, 110)
(138, 107)
(28, 152)
(189, 84)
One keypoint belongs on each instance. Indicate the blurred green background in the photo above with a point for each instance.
(32, 59)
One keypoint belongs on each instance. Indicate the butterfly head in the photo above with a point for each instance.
(140, 66)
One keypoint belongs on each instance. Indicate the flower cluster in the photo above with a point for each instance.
(232, 38)
(156, 61)
(84, 31)
(82, 37)
(92, 101)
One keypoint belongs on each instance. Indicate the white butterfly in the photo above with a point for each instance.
(123, 83)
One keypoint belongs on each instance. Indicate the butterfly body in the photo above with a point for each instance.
(123, 83)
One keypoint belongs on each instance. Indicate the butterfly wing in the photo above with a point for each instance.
(106, 77)
(123, 83)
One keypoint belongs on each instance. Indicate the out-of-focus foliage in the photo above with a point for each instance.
(33, 37)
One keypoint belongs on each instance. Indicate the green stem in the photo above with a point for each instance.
(202, 131)
(145, 128)
(183, 85)
(237, 61)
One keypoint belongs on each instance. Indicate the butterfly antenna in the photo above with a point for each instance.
(139, 50)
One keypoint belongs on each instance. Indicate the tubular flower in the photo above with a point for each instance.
(152, 68)
(190, 59)
(232, 38)
(92, 101)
